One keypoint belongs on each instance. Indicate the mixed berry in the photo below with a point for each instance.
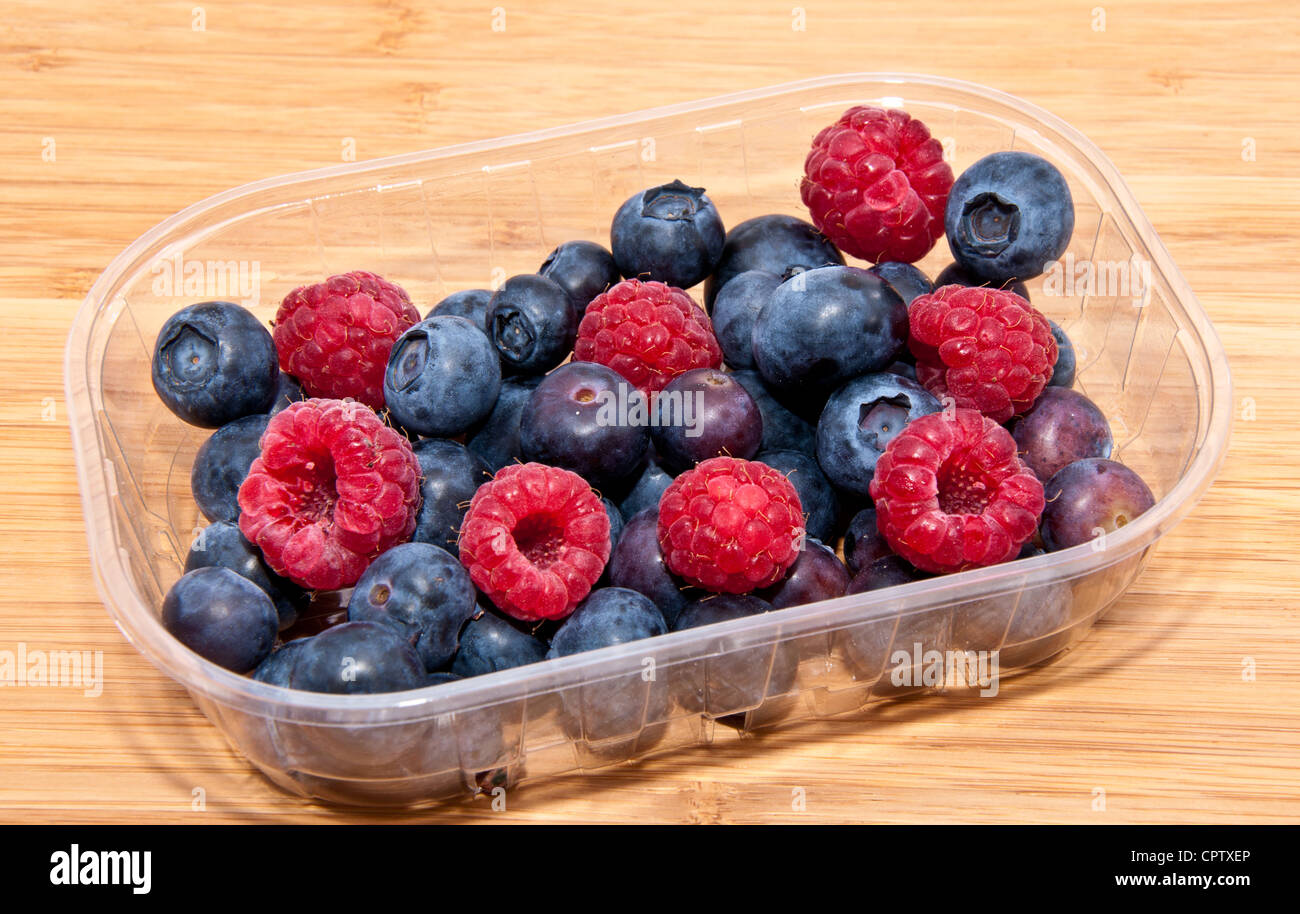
(595, 453)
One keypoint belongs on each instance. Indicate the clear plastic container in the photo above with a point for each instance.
(466, 216)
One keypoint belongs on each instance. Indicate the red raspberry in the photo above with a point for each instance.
(535, 539)
(951, 493)
(989, 349)
(333, 488)
(335, 336)
(876, 185)
(648, 332)
(730, 525)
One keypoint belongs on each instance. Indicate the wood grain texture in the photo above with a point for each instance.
(146, 114)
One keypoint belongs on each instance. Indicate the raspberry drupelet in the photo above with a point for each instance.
(335, 336)
(730, 525)
(951, 494)
(648, 332)
(989, 349)
(535, 540)
(332, 489)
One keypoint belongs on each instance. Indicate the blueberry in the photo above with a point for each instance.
(533, 324)
(421, 592)
(817, 574)
(736, 309)
(650, 487)
(783, 430)
(885, 572)
(863, 542)
(820, 506)
(821, 328)
(1061, 427)
(287, 390)
(616, 522)
(903, 278)
(611, 615)
(1000, 621)
(357, 658)
(954, 275)
(1088, 498)
(222, 463)
(213, 363)
(471, 304)
(616, 707)
(497, 439)
(572, 420)
(490, 643)
(637, 563)
(449, 476)
(1063, 374)
(443, 376)
(1008, 216)
(887, 648)
(221, 545)
(278, 667)
(222, 617)
(583, 269)
(776, 243)
(704, 413)
(903, 369)
(671, 234)
(860, 419)
(441, 678)
(733, 678)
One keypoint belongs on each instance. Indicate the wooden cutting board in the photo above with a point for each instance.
(1182, 706)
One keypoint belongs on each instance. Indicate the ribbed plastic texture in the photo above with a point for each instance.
(464, 216)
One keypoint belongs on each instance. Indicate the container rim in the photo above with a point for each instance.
(141, 627)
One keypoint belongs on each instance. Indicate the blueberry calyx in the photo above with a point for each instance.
(513, 333)
(189, 357)
(881, 420)
(408, 359)
(672, 202)
(989, 224)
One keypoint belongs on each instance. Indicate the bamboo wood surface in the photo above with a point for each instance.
(1182, 705)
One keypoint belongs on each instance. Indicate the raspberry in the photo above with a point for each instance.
(951, 494)
(876, 184)
(989, 349)
(730, 525)
(333, 488)
(648, 332)
(335, 336)
(535, 540)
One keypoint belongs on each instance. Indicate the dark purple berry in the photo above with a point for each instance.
(817, 574)
(704, 413)
(1061, 427)
(1090, 498)
(572, 421)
